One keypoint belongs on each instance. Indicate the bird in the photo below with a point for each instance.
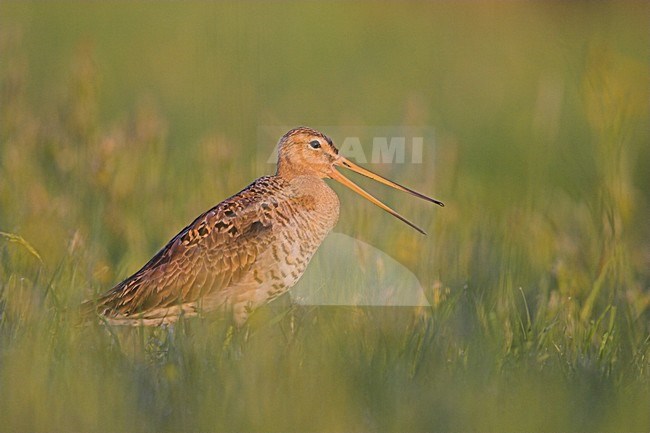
(247, 250)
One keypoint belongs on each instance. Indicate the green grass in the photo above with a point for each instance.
(121, 122)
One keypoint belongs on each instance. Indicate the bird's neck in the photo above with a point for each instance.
(289, 171)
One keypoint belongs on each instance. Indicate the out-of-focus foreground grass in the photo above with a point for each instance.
(121, 122)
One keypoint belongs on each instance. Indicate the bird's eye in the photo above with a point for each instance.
(315, 144)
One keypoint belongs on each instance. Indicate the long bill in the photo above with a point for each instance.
(354, 187)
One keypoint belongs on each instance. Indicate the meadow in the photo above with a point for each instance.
(120, 122)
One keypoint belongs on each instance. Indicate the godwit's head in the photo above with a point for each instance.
(306, 151)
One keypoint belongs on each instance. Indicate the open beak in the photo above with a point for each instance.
(343, 162)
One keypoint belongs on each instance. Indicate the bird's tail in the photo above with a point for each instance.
(88, 311)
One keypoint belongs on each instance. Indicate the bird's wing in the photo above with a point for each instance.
(210, 254)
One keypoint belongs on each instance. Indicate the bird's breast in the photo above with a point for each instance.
(316, 205)
(310, 211)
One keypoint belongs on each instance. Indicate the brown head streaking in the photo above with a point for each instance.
(250, 248)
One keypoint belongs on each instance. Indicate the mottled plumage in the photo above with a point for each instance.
(248, 249)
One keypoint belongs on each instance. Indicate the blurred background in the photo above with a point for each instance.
(123, 121)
